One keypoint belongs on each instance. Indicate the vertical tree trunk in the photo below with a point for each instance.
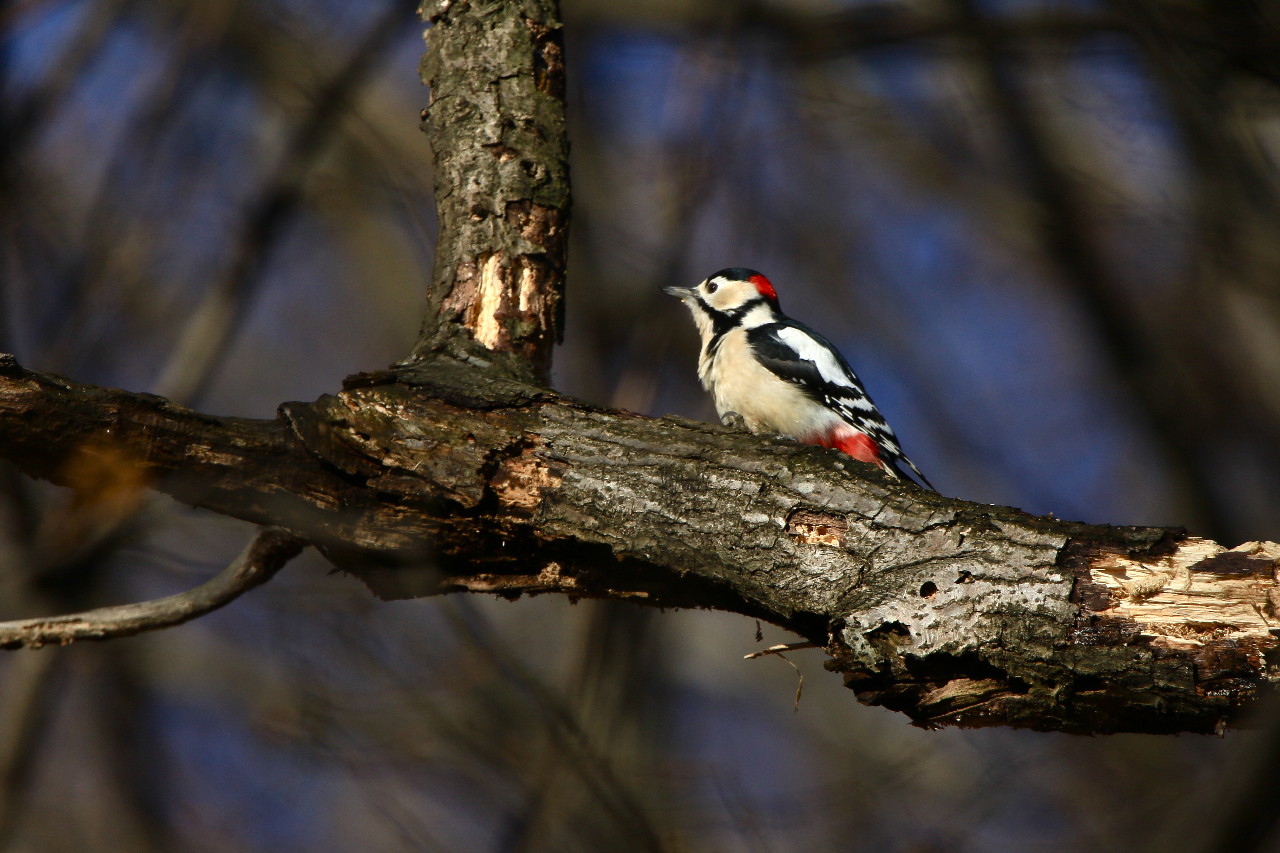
(496, 126)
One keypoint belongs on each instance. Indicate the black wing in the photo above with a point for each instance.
(837, 388)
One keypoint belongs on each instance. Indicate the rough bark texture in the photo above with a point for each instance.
(496, 127)
(952, 612)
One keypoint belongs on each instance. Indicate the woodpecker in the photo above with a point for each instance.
(774, 375)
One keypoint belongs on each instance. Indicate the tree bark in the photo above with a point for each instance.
(445, 477)
(458, 471)
(496, 126)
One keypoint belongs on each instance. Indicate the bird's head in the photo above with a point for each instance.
(732, 292)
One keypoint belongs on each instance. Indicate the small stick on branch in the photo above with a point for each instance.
(779, 649)
(264, 556)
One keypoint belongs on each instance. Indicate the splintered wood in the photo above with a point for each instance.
(1200, 592)
(520, 482)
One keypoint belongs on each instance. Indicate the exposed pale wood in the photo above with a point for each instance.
(1202, 591)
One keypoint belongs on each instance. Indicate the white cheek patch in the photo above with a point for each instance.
(810, 350)
(730, 295)
(757, 316)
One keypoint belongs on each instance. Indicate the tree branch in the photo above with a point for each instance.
(263, 557)
(953, 612)
(497, 131)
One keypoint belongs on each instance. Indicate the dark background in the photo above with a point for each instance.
(1044, 233)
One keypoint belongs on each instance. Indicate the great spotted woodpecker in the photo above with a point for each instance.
(776, 375)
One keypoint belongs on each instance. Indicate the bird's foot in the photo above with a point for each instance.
(733, 420)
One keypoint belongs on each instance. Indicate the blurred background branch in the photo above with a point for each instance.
(203, 340)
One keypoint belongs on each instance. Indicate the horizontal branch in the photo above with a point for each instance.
(950, 611)
(256, 565)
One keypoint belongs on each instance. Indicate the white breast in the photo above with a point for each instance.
(738, 383)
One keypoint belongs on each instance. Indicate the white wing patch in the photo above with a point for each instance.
(810, 350)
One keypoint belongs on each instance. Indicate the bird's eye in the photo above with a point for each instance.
(712, 287)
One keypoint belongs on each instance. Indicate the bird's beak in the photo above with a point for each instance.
(679, 292)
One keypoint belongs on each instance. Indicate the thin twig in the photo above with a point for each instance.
(779, 649)
(265, 555)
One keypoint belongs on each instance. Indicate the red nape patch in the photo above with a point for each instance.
(764, 287)
(859, 445)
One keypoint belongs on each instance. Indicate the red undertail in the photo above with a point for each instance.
(859, 445)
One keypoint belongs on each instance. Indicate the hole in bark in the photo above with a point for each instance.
(889, 636)
(965, 577)
(1090, 683)
(928, 589)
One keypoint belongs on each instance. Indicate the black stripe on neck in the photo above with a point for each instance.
(723, 322)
